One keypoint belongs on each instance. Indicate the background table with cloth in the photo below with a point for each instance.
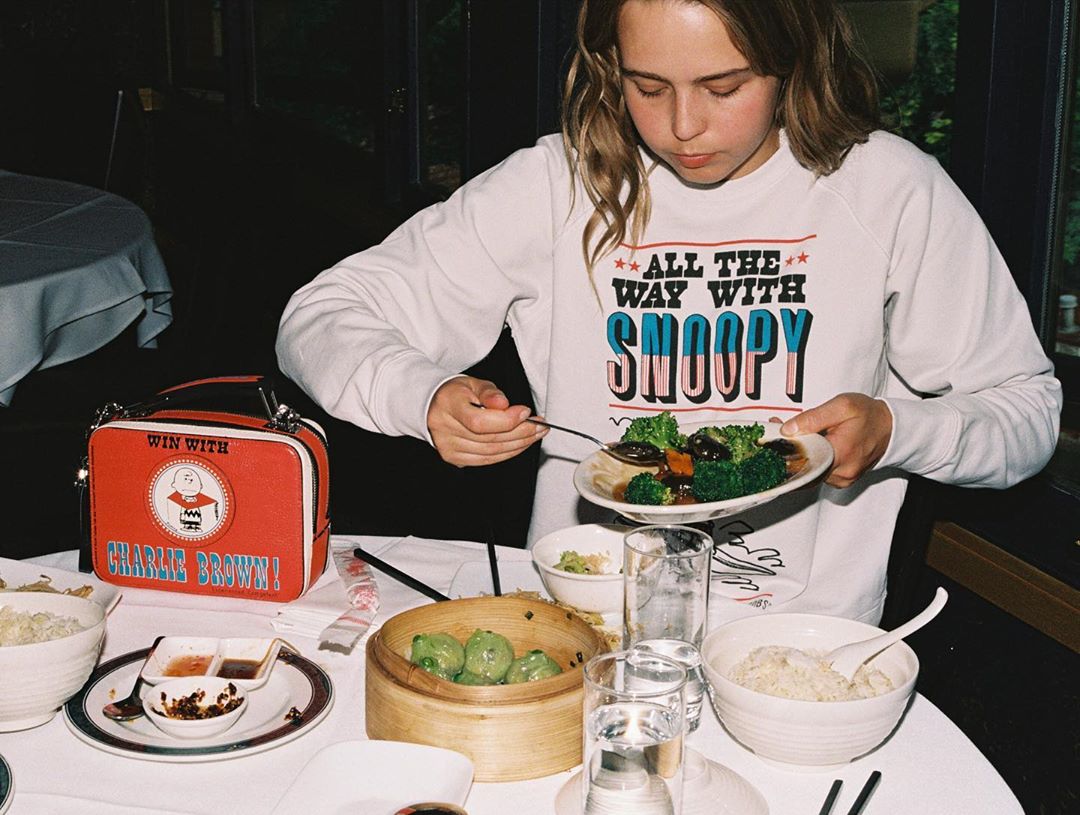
(928, 765)
(77, 266)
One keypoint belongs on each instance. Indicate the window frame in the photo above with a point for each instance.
(1015, 73)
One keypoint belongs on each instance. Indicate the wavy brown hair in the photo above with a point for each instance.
(828, 101)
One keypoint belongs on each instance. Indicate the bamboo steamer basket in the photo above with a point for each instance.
(511, 732)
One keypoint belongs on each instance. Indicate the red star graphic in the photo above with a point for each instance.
(635, 266)
(789, 261)
(802, 257)
(619, 263)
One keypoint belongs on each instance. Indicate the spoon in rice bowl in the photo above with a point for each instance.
(846, 659)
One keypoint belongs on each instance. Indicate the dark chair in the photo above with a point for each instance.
(907, 558)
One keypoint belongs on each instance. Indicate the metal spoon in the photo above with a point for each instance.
(131, 707)
(638, 453)
(847, 658)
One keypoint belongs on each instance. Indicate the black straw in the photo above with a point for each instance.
(400, 576)
(864, 793)
(830, 799)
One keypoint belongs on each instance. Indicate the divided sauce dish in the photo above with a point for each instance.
(244, 661)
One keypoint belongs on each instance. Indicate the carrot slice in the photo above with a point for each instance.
(679, 463)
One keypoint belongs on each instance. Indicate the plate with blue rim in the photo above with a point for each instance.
(7, 786)
(296, 698)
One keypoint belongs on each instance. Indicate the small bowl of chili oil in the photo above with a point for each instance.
(194, 707)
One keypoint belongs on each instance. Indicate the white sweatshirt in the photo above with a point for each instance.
(761, 297)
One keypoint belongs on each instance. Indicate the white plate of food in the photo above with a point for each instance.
(602, 480)
(296, 697)
(22, 575)
(377, 778)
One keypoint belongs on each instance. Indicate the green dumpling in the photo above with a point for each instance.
(469, 678)
(440, 654)
(530, 667)
(488, 655)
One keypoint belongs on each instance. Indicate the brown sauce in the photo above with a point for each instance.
(188, 665)
(239, 668)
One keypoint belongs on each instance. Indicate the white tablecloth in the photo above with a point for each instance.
(77, 266)
(929, 767)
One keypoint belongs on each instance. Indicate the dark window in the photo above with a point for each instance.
(196, 42)
(1012, 154)
(441, 90)
(320, 62)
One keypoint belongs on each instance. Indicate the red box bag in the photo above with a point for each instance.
(208, 501)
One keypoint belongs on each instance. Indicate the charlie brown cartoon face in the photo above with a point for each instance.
(187, 482)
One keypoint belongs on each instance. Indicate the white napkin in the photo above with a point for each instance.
(339, 609)
(307, 616)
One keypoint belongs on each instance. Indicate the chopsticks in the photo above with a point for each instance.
(399, 575)
(830, 799)
(864, 793)
(860, 799)
(493, 561)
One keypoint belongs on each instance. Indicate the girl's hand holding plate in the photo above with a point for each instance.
(857, 426)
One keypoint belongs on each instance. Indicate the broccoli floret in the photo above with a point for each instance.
(717, 481)
(645, 489)
(740, 439)
(762, 471)
(661, 430)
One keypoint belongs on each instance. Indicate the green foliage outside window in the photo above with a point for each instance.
(920, 110)
(1071, 240)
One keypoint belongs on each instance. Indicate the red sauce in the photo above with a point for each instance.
(188, 665)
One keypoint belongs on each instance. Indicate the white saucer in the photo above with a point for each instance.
(376, 778)
(709, 788)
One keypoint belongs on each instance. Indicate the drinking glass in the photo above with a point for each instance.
(633, 734)
(665, 598)
(689, 658)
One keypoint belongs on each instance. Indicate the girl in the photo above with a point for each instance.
(720, 232)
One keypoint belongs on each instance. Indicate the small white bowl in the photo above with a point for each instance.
(155, 699)
(796, 732)
(600, 593)
(37, 678)
(246, 661)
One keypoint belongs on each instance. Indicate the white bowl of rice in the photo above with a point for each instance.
(49, 644)
(595, 548)
(777, 699)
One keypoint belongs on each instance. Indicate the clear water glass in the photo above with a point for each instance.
(665, 583)
(634, 721)
(689, 658)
